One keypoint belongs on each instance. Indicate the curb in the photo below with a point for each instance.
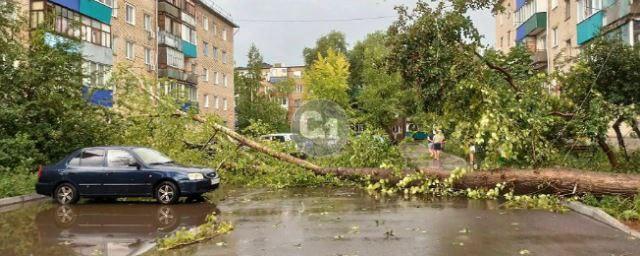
(19, 199)
(601, 216)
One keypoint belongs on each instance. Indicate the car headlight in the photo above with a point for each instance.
(195, 176)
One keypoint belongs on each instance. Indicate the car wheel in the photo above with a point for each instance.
(66, 193)
(167, 193)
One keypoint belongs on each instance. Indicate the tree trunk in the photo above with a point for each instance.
(634, 126)
(554, 181)
(616, 128)
(613, 161)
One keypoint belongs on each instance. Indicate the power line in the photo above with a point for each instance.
(314, 20)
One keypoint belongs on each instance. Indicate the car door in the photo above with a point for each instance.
(86, 171)
(124, 177)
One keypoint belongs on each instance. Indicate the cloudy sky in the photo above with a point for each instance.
(281, 29)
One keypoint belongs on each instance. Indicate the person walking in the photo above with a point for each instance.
(438, 141)
(432, 152)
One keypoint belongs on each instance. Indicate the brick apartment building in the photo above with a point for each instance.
(188, 43)
(273, 74)
(555, 30)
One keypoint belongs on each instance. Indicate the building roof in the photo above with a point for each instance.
(213, 7)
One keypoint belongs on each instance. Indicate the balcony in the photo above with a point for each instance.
(534, 25)
(170, 40)
(617, 10)
(190, 50)
(97, 53)
(100, 97)
(539, 58)
(169, 9)
(188, 19)
(590, 27)
(172, 73)
(91, 8)
(190, 106)
(520, 3)
(177, 74)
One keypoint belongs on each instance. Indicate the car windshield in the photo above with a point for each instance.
(151, 157)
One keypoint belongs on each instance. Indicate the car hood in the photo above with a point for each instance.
(181, 168)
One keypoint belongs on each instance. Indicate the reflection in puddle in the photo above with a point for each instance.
(103, 229)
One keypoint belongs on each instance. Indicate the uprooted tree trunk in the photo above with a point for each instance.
(613, 160)
(634, 126)
(616, 128)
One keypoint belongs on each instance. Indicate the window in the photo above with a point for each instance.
(206, 101)
(567, 44)
(554, 4)
(175, 58)
(147, 22)
(92, 158)
(206, 74)
(567, 10)
(509, 39)
(554, 37)
(205, 49)
(188, 34)
(96, 74)
(636, 31)
(119, 158)
(216, 79)
(130, 14)
(285, 101)
(129, 50)
(215, 53)
(501, 41)
(147, 56)
(215, 29)
(114, 12)
(205, 23)
(297, 74)
(217, 102)
(224, 80)
(224, 34)
(224, 104)
(542, 42)
(224, 57)
(299, 88)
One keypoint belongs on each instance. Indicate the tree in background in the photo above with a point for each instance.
(327, 79)
(382, 97)
(254, 105)
(334, 40)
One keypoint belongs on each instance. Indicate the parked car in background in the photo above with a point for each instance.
(112, 172)
(280, 137)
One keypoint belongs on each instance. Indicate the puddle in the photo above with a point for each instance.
(309, 222)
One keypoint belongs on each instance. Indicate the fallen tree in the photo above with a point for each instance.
(549, 181)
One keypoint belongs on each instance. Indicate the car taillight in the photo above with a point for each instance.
(39, 171)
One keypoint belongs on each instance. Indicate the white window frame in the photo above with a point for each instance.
(147, 56)
(206, 101)
(205, 49)
(130, 50)
(147, 22)
(216, 77)
(206, 74)
(205, 23)
(217, 101)
(554, 36)
(127, 18)
(114, 12)
(224, 104)
(224, 80)
(554, 4)
(224, 34)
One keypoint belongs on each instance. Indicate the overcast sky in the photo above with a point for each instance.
(283, 42)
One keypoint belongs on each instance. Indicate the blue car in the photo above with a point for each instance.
(112, 172)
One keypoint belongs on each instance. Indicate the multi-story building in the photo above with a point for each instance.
(186, 44)
(276, 73)
(555, 30)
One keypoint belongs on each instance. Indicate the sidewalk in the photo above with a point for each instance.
(417, 154)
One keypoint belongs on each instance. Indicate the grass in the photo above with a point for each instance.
(17, 184)
(626, 209)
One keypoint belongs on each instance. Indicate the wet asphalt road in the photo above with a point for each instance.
(309, 222)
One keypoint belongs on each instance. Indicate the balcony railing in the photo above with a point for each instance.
(589, 28)
(171, 73)
(534, 25)
(190, 50)
(539, 58)
(616, 11)
(178, 74)
(169, 8)
(169, 39)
